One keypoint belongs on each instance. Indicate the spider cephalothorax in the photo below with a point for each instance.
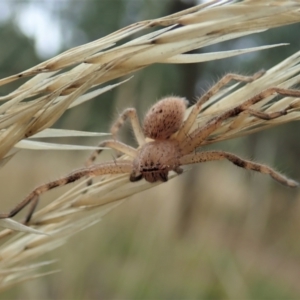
(167, 142)
(155, 159)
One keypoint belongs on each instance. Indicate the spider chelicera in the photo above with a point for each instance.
(172, 144)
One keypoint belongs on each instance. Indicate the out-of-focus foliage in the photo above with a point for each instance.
(16, 53)
(212, 233)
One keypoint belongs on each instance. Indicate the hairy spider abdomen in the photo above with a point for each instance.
(164, 118)
(155, 160)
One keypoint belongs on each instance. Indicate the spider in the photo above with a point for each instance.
(171, 144)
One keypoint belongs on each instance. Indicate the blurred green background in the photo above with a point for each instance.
(215, 232)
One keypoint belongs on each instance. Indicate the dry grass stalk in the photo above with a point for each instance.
(99, 62)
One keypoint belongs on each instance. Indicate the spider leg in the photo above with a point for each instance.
(119, 167)
(34, 203)
(260, 115)
(268, 116)
(130, 151)
(188, 123)
(240, 162)
(111, 144)
(137, 129)
(196, 138)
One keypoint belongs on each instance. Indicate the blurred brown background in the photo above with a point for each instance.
(215, 232)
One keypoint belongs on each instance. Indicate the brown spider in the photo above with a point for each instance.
(172, 144)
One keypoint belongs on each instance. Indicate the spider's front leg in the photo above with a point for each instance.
(243, 163)
(118, 167)
(188, 123)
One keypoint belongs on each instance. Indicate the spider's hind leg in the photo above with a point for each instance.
(114, 144)
(188, 123)
(260, 115)
(135, 123)
(196, 138)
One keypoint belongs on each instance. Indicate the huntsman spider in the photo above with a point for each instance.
(172, 145)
